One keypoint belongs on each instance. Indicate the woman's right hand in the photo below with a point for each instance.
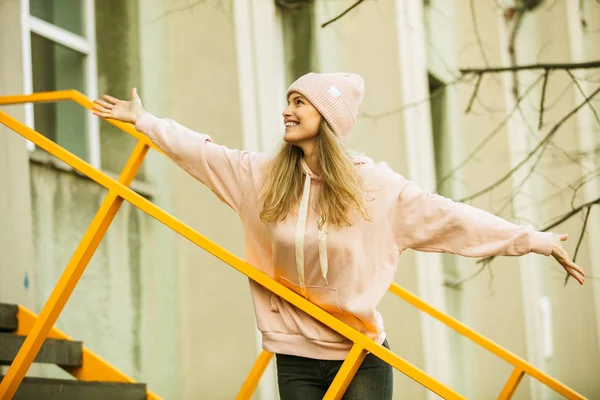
(125, 111)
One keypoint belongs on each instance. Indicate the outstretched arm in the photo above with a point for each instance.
(223, 170)
(432, 223)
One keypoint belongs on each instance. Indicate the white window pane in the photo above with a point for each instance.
(67, 14)
(55, 67)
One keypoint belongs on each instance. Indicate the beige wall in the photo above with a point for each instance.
(17, 285)
(15, 214)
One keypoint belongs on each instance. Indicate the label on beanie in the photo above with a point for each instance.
(334, 91)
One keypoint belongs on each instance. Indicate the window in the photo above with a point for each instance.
(297, 22)
(59, 41)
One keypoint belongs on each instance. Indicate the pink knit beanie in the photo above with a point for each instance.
(336, 96)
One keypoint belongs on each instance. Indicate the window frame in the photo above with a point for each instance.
(83, 45)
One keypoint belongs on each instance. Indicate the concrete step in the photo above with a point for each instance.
(59, 389)
(8, 317)
(65, 353)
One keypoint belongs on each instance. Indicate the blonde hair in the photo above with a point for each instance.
(342, 189)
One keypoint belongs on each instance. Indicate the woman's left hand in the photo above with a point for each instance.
(561, 255)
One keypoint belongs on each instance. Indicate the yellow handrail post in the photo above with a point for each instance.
(484, 342)
(346, 373)
(254, 376)
(72, 273)
(511, 385)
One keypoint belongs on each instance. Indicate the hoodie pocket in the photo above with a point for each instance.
(289, 320)
(325, 297)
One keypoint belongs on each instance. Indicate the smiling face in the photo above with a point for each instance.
(301, 119)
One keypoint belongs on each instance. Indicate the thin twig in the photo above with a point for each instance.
(543, 99)
(581, 235)
(342, 14)
(457, 285)
(582, 182)
(558, 98)
(523, 181)
(567, 216)
(489, 136)
(175, 10)
(585, 221)
(550, 134)
(562, 66)
(474, 95)
(512, 52)
(583, 93)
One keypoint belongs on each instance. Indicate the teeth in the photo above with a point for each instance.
(288, 124)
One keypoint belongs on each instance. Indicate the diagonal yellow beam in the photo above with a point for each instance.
(346, 373)
(511, 385)
(253, 273)
(72, 273)
(254, 376)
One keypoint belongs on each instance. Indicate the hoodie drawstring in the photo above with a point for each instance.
(300, 231)
(323, 251)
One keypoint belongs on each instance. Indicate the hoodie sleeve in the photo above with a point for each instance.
(224, 171)
(432, 223)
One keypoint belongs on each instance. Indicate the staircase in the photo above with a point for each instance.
(67, 354)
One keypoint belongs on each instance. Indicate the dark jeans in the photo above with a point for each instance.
(302, 378)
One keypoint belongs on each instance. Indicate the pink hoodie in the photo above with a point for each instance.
(346, 271)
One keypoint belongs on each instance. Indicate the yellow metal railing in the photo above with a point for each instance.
(119, 191)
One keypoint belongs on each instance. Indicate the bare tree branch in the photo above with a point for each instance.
(563, 218)
(585, 222)
(543, 99)
(550, 134)
(570, 214)
(189, 6)
(558, 98)
(567, 66)
(524, 180)
(581, 235)
(512, 52)
(331, 21)
(457, 285)
(582, 182)
(474, 95)
(583, 93)
(488, 137)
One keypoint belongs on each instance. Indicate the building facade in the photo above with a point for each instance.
(169, 314)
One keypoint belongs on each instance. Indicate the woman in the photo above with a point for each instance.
(330, 226)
